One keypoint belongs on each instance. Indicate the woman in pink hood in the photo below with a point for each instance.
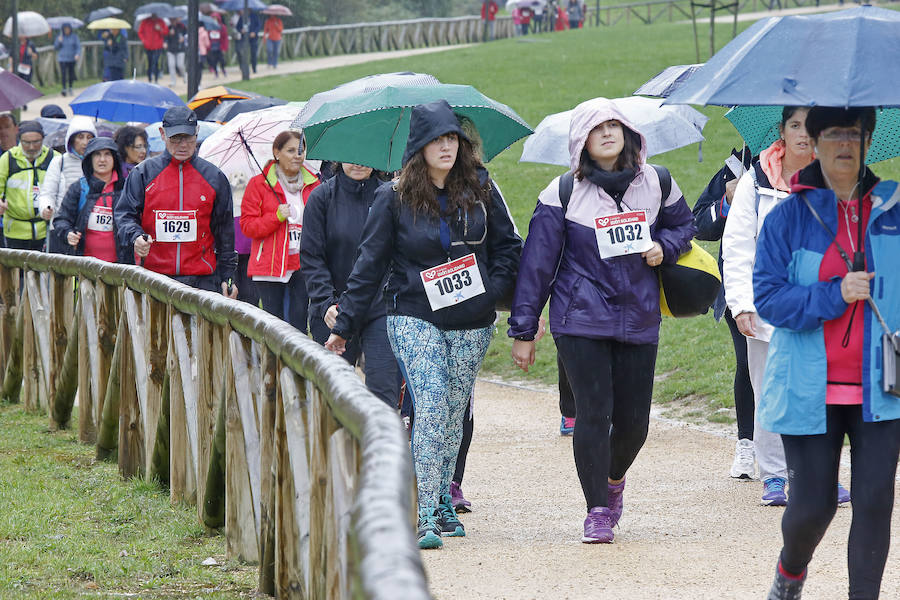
(596, 235)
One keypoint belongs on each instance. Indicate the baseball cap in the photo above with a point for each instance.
(179, 120)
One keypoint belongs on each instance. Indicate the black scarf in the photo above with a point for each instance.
(614, 183)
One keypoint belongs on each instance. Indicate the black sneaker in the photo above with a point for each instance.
(429, 533)
(449, 522)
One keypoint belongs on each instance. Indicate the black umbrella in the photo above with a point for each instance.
(227, 111)
(102, 13)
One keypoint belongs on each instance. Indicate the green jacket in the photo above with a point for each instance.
(18, 182)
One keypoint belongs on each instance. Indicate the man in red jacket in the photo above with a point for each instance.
(153, 32)
(489, 10)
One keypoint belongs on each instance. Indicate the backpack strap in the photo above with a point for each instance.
(82, 199)
(566, 184)
(665, 181)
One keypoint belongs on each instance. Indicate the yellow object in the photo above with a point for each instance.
(689, 287)
(109, 23)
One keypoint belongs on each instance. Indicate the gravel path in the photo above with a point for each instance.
(688, 531)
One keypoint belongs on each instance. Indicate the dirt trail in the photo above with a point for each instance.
(688, 531)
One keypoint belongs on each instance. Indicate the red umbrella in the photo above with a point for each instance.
(278, 10)
(15, 91)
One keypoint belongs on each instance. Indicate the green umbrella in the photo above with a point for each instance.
(758, 126)
(371, 128)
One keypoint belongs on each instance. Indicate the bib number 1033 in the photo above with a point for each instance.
(623, 233)
(452, 282)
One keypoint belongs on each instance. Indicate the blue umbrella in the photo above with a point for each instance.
(844, 58)
(758, 126)
(239, 5)
(125, 100)
(102, 13)
(58, 22)
(664, 83)
(163, 10)
(157, 144)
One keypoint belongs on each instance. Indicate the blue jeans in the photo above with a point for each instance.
(440, 368)
(382, 372)
(272, 48)
(286, 299)
(153, 64)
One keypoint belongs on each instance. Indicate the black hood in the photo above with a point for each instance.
(101, 143)
(428, 122)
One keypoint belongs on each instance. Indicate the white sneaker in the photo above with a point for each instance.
(744, 465)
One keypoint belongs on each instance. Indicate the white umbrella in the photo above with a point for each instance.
(226, 148)
(370, 83)
(664, 127)
(31, 24)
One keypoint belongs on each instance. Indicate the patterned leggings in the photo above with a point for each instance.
(440, 368)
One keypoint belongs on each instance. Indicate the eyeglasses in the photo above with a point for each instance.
(836, 134)
(183, 140)
(141, 146)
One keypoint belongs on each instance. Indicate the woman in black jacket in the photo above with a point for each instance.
(450, 252)
(84, 223)
(332, 230)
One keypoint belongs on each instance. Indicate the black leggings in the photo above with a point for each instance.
(813, 462)
(613, 384)
(566, 399)
(743, 390)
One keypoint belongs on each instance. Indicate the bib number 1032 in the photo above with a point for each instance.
(452, 282)
(623, 233)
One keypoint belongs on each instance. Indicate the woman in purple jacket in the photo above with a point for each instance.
(593, 248)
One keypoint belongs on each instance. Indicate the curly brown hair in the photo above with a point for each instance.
(464, 189)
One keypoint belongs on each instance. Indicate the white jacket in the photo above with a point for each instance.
(749, 207)
(65, 169)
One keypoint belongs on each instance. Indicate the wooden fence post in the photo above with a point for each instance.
(321, 426)
(268, 397)
(210, 347)
(183, 465)
(87, 362)
(131, 429)
(9, 298)
(342, 469)
(12, 377)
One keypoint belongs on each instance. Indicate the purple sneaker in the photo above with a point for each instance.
(615, 500)
(773, 492)
(460, 504)
(598, 526)
(843, 494)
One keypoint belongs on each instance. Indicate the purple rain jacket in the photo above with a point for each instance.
(615, 298)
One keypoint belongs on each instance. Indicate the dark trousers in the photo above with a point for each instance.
(381, 369)
(216, 59)
(613, 384)
(153, 64)
(210, 283)
(67, 73)
(113, 73)
(813, 462)
(246, 286)
(286, 300)
(566, 399)
(744, 405)
(254, 51)
(37, 245)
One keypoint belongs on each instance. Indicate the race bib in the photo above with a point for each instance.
(214, 35)
(452, 282)
(35, 192)
(624, 233)
(176, 225)
(294, 230)
(23, 69)
(101, 219)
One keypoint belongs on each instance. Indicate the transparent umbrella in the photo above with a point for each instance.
(31, 24)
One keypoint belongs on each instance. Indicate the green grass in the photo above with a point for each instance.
(548, 73)
(71, 528)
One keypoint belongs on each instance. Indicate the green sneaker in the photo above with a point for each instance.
(449, 522)
(429, 529)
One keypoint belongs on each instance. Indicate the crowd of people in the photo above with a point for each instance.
(408, 270)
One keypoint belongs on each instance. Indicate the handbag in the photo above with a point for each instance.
(890, 342)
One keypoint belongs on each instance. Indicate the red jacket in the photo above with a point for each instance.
(259, 221)
(489, 11)
(150, 35)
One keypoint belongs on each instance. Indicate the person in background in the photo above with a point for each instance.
(65, 170)
(218, 46)
(132, 146)
(272, 217)
(84, 224)
(27, 59)
(552, 11)
(437, 218)
(176, 45)
(538, 22)
(9, 131)
(153, 32)
(115, 54)
(68, 52)
(823, 377)
(489, 11)
(525, 14)
(575, 14)
(22, 171)
(248, 25)
(202, 50)
(272, 34)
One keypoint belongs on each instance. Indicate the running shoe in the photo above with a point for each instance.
(843, 495)
(773, 492)
(615, 500)
(567, 425)
(598, 526)
(449, 523)
(460, 504)
(744, 464)
(786, 587)
(429, 529)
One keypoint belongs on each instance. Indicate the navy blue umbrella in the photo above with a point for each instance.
(844, 58)
(239, 5)
(125, 100)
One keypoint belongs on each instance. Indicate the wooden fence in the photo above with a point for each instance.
(304, 42)
(275, 440)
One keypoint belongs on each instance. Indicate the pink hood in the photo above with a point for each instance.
(588, 115)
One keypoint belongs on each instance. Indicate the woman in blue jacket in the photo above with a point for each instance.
(823, 377)
(450, 252)
(68, 51)
(593, 250)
